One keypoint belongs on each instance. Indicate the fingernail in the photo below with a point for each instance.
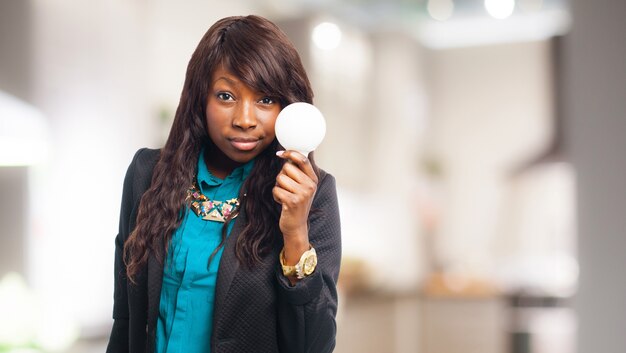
(279, 153)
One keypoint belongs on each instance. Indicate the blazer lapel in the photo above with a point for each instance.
(229, 264)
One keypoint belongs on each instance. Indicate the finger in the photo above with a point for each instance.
(288, 183)
(300, 176)
(276, 194)
(300, 161)
(294, 172)
(283, 197)
(294, 180)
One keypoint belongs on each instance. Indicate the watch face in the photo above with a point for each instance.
(309, 264)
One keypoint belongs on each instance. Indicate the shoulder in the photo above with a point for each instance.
(144, 161)
(326, 187)
(146, 158)
(325, 178)
(140, 170)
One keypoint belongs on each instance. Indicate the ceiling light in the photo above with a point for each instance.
(500, 9)
(326, 36)
(440, 10)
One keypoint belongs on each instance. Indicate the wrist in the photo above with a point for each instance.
(297, 234)
(294, 248)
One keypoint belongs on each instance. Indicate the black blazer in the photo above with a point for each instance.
(256, 310)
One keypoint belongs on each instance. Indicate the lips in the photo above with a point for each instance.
(244, 143)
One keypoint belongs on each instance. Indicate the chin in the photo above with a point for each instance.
(242, 157)
(246, 156)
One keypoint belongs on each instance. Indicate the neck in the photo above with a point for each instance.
(218, 163)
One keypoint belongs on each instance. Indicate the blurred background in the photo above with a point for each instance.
(478, 147)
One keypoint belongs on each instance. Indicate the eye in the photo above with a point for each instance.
(225, 96)
(267, 101)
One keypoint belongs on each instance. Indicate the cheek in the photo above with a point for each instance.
(211, 115)
(212, 126)
(269, 122)
(215, 119)
(269, 130)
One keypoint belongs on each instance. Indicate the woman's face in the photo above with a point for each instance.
(240, 121)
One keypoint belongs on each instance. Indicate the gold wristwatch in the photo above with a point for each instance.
(304, 267)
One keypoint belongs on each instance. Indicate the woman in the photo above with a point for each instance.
(226, 243)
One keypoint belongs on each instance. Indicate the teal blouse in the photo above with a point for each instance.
(188, 291)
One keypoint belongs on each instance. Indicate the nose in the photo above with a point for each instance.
(245, 116)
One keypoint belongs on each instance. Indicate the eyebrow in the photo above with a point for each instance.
(226, 79)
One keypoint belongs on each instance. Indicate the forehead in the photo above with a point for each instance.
(222, 75)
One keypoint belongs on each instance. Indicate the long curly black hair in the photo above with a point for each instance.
(260, 54)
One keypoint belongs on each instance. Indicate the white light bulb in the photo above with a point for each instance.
(300, 127)
(500, 9)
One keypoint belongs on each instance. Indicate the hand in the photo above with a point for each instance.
(295, 188)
